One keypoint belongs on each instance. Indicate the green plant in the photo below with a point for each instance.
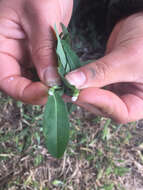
(56, 121)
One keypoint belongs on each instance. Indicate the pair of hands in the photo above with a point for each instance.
(27, 41)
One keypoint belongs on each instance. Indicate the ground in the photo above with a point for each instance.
(101, 155)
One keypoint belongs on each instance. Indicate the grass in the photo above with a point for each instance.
(97, 158)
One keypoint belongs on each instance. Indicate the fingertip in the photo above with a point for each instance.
(76, 78)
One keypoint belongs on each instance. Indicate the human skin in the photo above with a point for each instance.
(26, 41)
(120, 72)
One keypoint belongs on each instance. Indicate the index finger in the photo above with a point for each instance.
(123, 109)
(108, 103)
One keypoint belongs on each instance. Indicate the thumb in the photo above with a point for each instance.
(38, 22)
(43, 45)
(114, 67)
(44, 56)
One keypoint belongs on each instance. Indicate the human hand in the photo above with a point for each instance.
(120, 71)
(27, 41)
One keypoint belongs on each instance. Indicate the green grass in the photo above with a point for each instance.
(96, 157)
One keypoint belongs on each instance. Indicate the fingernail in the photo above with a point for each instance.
(51, 77)
(76, 78)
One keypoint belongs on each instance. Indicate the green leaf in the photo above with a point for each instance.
(68, 88)
(106, 131)
(71, 107)
(121, 171)
(59, 50)
(57, 183)
(65, 34)
(56, 125)
(56, 122)
(109, 170)
(72, 59)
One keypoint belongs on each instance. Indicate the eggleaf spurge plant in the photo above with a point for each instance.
(56, 115)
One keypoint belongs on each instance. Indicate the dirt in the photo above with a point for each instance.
(19, 167)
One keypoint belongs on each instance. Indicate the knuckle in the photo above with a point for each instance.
(101, 69)
(43, 51)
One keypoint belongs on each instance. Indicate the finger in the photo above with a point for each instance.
(115, 67)
(107, 103)
(41, 21)
(66, 10)
(91, 108)
(24, 90)
(134, 105)
(45, 60)
(18, 87)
